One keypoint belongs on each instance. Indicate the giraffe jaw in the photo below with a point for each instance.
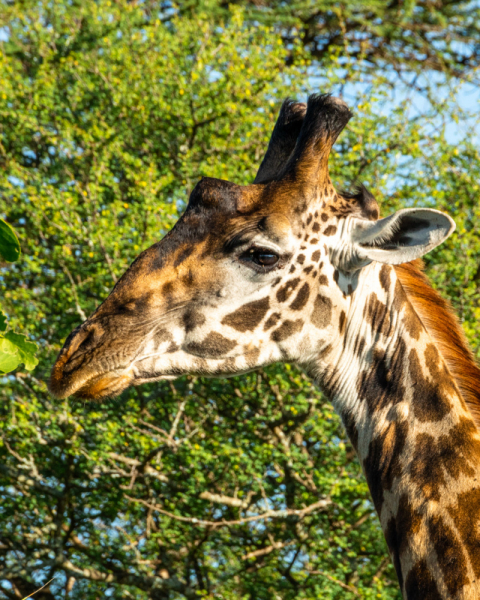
(107, 385)
(96, 387)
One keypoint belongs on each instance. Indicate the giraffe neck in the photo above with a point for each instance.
(414, 436)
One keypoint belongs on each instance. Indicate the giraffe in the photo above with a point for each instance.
(289, 269)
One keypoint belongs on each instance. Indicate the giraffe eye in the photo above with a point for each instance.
(263, 257)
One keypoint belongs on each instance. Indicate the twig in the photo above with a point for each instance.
(267, 550)
(349, 588)
(270, 514)
(74, 290)
(39, 589)
(176, 421)
(227, 500)
(28, 481)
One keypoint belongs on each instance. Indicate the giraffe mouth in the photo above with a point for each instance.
(106, 385)
(94, 387)
(111, 385)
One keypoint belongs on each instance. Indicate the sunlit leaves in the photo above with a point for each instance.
(15, 349)
(9, 245)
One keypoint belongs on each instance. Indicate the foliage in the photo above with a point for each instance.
(14, 347)
(240, 488)
(404, 37)
(9, 246)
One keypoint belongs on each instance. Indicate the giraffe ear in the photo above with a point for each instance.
(401, 237)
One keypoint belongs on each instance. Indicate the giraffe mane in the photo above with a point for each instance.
(440, 321)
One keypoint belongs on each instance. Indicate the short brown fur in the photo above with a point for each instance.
(440, 321)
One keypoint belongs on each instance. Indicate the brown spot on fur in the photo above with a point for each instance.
(323, 280)
(324, 217)
(286, 329)
(301, 258)
(430, 401)
(188, 279)
(400, 530)
(377, 315)
(172, 348)
(167, 293)
(228, 365)
(330, 230)
(466, 516)
(412, 323)
(307, 270)
(284, 292)
(383, 463)
(183, 255)
(271, 321)
(432, 359)
(323, 351)
(192, 319)
(248, 316)
(316, 256)
(440, 375)
(322, 312)
(316, 227)
(359, 345)
(385, 277)
(399, 296)
(376, 385)
(449, 553)
(393, 541)
(351, 427)
(252, 358)
(341, 321)
(213, 346)
(292, 268)
(420, 584)
(408, 521)
(301, 298)
(455, 453)
(426, 470)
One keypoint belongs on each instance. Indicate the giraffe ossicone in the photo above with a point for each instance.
(289, 269)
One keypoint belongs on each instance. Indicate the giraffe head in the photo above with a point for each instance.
(250, 274)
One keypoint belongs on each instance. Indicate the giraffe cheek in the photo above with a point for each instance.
(247, 317)
(214, 345)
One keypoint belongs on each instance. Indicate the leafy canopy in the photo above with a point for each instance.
(239, 488)
(404, 38)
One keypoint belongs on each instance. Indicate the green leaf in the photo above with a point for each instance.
(9, 246)
(9, 356)
(26, 349)
(3, 321)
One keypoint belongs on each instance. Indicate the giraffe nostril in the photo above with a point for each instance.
(88, 341)
(81, 345)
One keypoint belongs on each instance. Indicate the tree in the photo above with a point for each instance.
(240, 488)
(407, 38)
